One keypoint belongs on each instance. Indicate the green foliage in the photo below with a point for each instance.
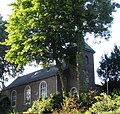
(70, 106)
(13, 112)
(110, 68)
(57, 100)
(44, 31)
(113, 85)
(55, 104)
(116, 92)
(40, 106)
(6, 68)
(46, 105)
(116, 111)
(48, 30)
(105, 104)
(110, 65)
(88, 98)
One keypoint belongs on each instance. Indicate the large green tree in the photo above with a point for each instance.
(6, 68)
(46, 30)
(110, 65)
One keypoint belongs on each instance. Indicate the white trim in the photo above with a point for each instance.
(40, 89)
(27, 86)
(15, 98)
(72, 89)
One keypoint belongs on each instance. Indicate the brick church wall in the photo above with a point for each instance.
(20, 105)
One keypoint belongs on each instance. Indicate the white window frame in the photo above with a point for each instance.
(15, 99)
(44, 94)
(27, 87)
(72, 90)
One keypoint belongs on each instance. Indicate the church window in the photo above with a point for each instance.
(13, 98)
(43, 89)
(27, 95)
(86, 60)
(73, 91)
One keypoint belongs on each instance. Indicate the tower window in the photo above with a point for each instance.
(86, 60)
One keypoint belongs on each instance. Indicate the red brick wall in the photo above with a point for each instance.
(72, 75)
(20, 106)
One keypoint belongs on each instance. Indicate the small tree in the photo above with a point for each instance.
(110, 65)
(110, 68)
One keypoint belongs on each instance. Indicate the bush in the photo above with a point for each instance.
(40, 106)
(117, 111)
(56, 104)
(87, 99)
(70, 106)
(57, 100)
(105, 105)
(46, 105)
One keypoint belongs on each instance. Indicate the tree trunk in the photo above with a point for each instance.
(61, 75)
(79, 61)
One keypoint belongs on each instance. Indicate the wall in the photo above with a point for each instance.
(87, 69)
(21, 106)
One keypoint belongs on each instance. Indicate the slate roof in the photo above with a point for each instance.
(88, 48)
(40, 74)
(34, 76)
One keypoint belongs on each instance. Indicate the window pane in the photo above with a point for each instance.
(86, 60)
(27, 95)
(13, 98)
(43, 89)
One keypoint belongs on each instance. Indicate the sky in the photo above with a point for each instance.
(100, 48)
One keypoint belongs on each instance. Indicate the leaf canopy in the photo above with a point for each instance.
(6, 68)
(45, 30)
(110, 65)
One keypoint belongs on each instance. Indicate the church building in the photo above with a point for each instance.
(24, 90)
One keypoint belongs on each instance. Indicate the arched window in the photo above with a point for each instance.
(27, 95)
(13, 98)
(73, 91)
(43, 89)
(86, 60)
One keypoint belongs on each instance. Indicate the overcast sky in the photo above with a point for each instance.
(100, 49)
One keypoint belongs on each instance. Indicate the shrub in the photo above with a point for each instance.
(57, 100)
(87, 99)
(117, 111)
(46, 105)
(70, 106)
(105, 105)
(40, 106)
